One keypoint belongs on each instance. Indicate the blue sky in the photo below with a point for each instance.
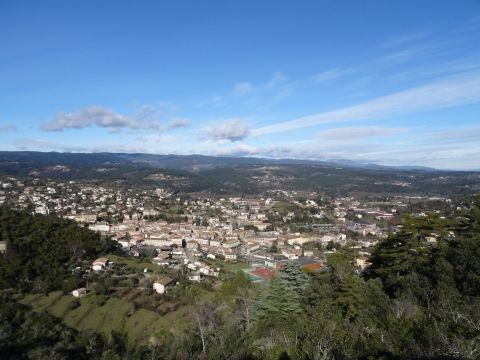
(391, 82)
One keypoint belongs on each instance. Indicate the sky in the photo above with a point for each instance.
(386, 82)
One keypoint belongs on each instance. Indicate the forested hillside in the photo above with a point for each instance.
(42, 250)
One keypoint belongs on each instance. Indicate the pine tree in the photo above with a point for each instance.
(294, 276)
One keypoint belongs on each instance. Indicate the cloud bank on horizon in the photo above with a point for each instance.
(329, 85)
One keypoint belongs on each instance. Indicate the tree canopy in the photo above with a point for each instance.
(41, 249)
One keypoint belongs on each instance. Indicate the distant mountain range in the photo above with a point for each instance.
(238, 175)
(179, 162)
(373, 166)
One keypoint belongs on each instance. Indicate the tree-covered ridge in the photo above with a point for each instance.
(41, 249)
(230, 175)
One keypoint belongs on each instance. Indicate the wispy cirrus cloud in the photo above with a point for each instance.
(331, 74)
(403, 39)
(420, 72)
(403, 58)
(277, 79)
(442, 155)
(450, 92)
(45, 145)
(248, 94)
(358, 132)
(242, 88)
(147, 117)
(463, 133)
(433, 50)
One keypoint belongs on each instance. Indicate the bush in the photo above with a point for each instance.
(74, 304)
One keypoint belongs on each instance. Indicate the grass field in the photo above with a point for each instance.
(134, 264)
(284, 206)
(143, 324)
(236, 266)
(61, 307)
(114, 314)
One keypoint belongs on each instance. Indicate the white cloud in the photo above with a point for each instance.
(239, 150)
(94, 115)
(147, 117)
(226, 130)
(162, 139)
(177, 123)
(7, 127)
(242, 149)
(452, 92)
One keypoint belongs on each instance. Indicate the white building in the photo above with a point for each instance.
(162, 285)
(195, 277)
(79, 292)
(100, 264)
(100, 227)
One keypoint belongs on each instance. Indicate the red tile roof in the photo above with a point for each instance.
(313, 266)
(264, 273)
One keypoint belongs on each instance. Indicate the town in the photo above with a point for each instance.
(203, 236)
